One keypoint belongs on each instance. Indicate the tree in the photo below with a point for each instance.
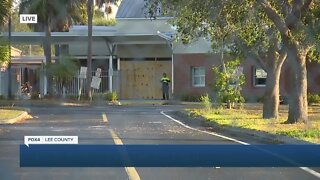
(4, 52)
(89, 59)
(5, 9)
(228, 83)
(259, 39)
(297, 23)
(232, 31)
(52, 15)
(90, 11)
(63, 71)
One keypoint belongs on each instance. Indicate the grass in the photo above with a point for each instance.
(250, 117)
(6, 114)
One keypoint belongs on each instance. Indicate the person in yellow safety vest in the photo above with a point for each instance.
(165, 86)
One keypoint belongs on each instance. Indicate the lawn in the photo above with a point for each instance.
(250, 117)
(6, 114)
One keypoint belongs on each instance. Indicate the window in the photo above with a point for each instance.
(260, 77)
(198, 76)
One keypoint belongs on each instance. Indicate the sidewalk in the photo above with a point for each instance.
(61, 102)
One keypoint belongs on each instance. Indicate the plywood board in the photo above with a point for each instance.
(141, 79)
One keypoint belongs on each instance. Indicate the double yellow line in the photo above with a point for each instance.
(131, 171)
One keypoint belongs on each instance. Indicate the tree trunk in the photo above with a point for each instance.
(47, 53)
(89, 60)
(298, 104)
(273, 67)
(271, 96)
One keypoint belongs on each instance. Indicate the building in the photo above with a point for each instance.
(135, 52)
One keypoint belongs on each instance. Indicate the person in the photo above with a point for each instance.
(25, 88)
(165, 86)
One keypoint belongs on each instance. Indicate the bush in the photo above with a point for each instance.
(313, 98)
(228, 83)
(206, 102)
(2, 97)
(110, 96)
(189, 97)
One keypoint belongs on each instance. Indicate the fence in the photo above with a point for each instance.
(74, 84)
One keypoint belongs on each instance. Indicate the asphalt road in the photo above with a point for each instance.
(126, 125)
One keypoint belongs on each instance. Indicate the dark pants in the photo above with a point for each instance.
(165, 91)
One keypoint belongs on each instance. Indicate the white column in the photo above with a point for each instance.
(110, 73)
(172, 70)
(118, 66)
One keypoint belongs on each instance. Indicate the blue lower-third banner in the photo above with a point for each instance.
(170, 156)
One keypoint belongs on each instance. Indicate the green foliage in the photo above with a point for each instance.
(63, 70)
(98, 13)
(313, 98)
(206, 102)
(103, 22)
(5, 8)
(310, 133)
(4, 51)
(314, 55)
(16, 26)
(111, 96)
(227, 84)
(59, 15)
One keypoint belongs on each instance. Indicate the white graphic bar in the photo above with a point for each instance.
(50, 140)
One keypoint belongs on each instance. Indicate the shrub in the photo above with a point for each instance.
(228, 83)
(313, 98)
(110, 96)
(206, 102)
(2, 97)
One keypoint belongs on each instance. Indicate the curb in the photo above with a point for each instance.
(241, 132)
(25, 115)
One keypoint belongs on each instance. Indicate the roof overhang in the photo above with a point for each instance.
(69, 37)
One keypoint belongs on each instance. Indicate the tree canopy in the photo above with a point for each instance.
(5, 10)
(291, 28)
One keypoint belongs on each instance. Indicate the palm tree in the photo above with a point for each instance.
(89, 59)
(90, 11)
(5, 9)
(52, 15)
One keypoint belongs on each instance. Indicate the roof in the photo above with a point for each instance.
(82, 36)
(131, 9)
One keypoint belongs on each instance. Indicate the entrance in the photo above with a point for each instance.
(141, 79)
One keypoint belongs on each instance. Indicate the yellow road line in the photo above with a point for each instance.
(131, 171)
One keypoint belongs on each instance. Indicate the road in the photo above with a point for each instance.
(125, 125)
